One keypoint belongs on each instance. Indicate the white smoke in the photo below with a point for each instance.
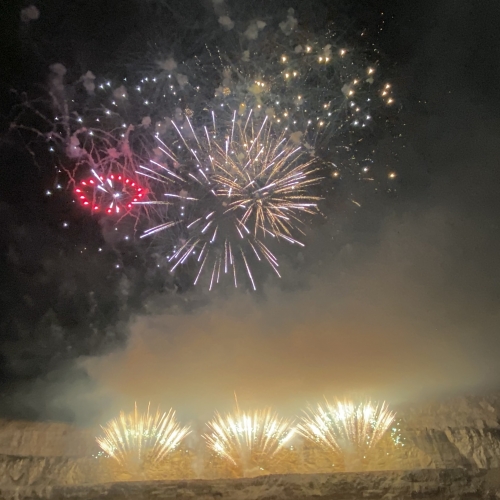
(168, 64)
(120, 92)
(226, 22)
(56, 77)
(252, 32)
(290, 24)
(182, 80)
(88, 80)
(30, 13)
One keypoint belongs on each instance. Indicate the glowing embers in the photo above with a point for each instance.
(110, 194)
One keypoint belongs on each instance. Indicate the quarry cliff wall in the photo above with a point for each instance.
(432, 484)
(45, 439)
(461, 433)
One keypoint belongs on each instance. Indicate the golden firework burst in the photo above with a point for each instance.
(136, 440)
(347, 431)
(248, 440)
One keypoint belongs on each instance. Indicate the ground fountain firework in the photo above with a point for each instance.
(248, 441)
(347, 431)
(333, 436)
(139, 442)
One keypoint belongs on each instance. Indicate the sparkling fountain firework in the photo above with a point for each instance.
(136, 440)
(245, 185)
(248, 440)
(347, 431)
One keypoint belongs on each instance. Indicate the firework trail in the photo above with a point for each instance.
(89, 131)
(136, 439)
(247, 185)
(346, 430)
(248, 440)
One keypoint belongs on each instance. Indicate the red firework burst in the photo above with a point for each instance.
(111, 194)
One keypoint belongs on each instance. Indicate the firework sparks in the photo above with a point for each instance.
(263, 179)
(112, 194)
(346, 430)
(251, 185)
(305, 82)
(232, 192)
(248, 440)
(134, 439)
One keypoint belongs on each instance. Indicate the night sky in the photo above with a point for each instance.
(397, 299)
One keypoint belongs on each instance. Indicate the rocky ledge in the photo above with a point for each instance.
(387, 485)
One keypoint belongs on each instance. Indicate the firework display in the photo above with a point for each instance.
(249, 443)
(347, 430)
(137, 439)
(248, 440)
(227, 152)
(113, 194)
(318, 82)
(314, 87)
(249, 184)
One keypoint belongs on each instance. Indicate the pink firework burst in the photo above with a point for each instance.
(109, 194)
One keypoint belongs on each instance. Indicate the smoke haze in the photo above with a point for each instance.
(384, 322)
(397, 299)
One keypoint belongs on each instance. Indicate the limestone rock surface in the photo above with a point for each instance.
(452, 484)
(45, 439)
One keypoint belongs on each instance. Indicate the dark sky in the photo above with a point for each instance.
(398, 299)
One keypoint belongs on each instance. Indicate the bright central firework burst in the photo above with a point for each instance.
(249, 186)
(248, 440)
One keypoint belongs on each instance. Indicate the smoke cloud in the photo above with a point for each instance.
(376, 320)
(397, 299)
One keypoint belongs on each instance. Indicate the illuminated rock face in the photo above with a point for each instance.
(39, 473)
(461, 431)
(460, 434)
(39, 439)
(432, 484)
